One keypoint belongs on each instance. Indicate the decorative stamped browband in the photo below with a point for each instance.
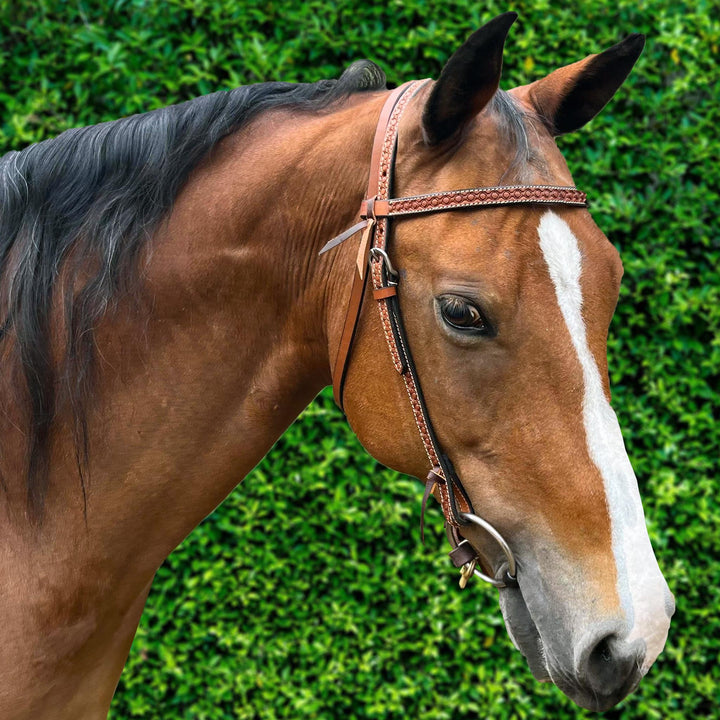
(457, 199)
(476, 197)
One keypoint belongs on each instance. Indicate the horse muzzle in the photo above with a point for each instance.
(595, 668)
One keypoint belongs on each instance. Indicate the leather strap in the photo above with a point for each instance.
(385, 292)
(342, 237)
(478, 197)
(453, 497)
(463, 553)
(357, 290)
(458, 199)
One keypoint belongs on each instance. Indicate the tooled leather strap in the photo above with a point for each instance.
(357, 290)
(452, 495)
(477, 197)
(374, 235)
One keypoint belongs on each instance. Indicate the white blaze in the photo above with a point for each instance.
(642, 589)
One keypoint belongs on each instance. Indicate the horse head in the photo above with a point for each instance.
(165, 315)
(506, 311)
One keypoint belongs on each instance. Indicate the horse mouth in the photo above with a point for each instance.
(524, 633)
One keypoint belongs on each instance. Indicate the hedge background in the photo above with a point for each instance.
(308, 594)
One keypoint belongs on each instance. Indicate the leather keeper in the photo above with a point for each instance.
(463, 554)
(372, 207)
(384, 292)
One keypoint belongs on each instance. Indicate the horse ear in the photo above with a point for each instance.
(573, 95)
(467, 82)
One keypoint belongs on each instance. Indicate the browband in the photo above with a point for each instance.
(456, 199)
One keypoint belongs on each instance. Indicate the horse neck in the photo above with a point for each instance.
(229, 338)
(237, 323)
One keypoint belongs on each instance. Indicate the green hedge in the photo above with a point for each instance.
(308, 594)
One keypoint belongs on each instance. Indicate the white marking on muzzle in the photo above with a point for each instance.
(644, 595)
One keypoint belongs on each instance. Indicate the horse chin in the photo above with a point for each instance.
(523, 632)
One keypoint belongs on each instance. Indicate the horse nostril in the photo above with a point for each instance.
(603, 651)
(612, 667)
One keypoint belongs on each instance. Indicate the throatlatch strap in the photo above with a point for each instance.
(357, 290)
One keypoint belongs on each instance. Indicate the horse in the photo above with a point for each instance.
(166, 312)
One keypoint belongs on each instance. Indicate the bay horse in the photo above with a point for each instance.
(165, 314)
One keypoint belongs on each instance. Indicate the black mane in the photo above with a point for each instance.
(91, 198)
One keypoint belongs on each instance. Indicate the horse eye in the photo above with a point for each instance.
(462, 314)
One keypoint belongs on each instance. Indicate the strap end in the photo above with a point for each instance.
(342, 237)
(365, 242)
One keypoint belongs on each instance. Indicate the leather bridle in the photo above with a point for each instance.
(375, 212)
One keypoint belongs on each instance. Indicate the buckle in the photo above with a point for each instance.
(381, 256)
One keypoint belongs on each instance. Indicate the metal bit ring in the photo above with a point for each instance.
(511, 573)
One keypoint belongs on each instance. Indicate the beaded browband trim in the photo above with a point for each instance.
(456, 199)
(477, 197)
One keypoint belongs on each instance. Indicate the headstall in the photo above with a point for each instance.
(375, 212)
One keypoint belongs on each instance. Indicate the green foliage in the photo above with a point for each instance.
(308, 594)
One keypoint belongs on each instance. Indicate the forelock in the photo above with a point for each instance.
(516, 125)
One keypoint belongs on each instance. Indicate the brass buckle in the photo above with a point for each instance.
(466, 572)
